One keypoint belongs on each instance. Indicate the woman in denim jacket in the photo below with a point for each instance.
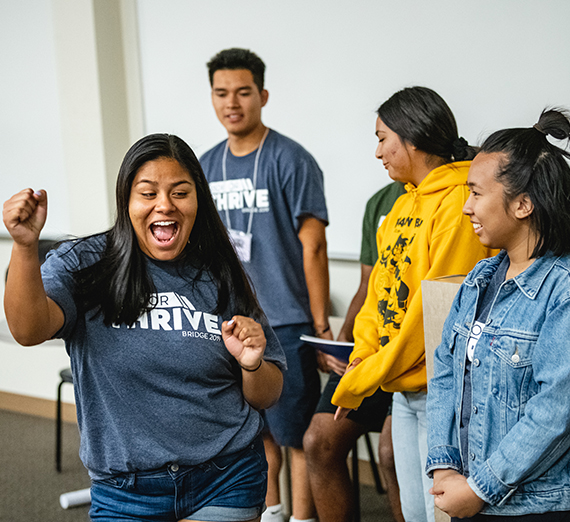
(499, 404)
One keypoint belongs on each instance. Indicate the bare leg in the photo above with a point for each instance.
(303, 505)
(274, 461)
(388, 470)
(327, 443)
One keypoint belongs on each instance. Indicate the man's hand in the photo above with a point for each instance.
(342, 413)
(328, 363)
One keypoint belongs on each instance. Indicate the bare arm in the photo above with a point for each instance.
(316, 267)
(345, 334)
(262, 380)
(31, 315)
(355, 305)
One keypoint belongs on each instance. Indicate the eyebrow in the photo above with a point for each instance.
(224, 89)
(175, 184)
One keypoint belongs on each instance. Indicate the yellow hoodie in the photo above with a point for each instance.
(425, 235)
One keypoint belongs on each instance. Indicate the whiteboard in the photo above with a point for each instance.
(331, 63)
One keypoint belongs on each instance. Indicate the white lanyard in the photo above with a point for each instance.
(255, 167)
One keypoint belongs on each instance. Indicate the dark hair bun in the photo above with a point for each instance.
(460, 149)
(554, 122)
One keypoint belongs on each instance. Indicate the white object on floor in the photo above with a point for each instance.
(75, 498)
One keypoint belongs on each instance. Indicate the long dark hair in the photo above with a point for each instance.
(535, 167)
(421, 117)
(118, 285)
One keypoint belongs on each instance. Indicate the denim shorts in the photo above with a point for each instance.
(230, 488)
(290, 417)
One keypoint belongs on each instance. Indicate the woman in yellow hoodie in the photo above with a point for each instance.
(425, 235)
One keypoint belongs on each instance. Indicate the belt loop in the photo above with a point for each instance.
(131, 480)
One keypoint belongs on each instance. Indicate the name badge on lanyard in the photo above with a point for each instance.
(242, 240)
(242, 244)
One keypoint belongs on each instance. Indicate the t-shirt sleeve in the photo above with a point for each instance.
(377, 207)
(273, 351)
(207, 163)
(303, 186)
(368, 249)
(58, 283)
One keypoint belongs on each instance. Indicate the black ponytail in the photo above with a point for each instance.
(421, 117)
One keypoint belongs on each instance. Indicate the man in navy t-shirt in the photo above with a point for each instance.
(269, 193)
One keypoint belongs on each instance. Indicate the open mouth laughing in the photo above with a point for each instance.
(164, 231)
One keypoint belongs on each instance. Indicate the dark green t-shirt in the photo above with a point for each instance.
(377, 208)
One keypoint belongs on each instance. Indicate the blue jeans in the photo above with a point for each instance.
(553, 516)
(409, 438)
(230, 488)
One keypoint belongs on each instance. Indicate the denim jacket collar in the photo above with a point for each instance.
(529, 281)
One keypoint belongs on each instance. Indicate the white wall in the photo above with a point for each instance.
(31, 148)
(330, 63)
(67, 107)
(53, 137)
(64, 104)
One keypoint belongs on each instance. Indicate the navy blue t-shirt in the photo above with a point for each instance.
(289, 188)
(163, 390)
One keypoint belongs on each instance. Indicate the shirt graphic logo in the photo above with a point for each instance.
(393, 293)
(239, 194)
(174, 312)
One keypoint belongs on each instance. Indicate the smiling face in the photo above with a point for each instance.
(396, 155)
(497, 224)
(237, 101)
(162, 208)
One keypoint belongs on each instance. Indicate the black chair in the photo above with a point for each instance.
(355, 478)
(66, 376)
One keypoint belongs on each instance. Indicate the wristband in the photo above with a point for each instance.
(325, 330)
(255, 369)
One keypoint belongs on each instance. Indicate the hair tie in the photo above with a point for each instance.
(460, 147)
(539, 128)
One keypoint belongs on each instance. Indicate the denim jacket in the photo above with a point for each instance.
(519, 432)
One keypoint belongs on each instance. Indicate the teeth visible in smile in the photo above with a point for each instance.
(476, 226)
(164, 231)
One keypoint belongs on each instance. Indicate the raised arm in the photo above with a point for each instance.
(262, 380)
(31, 315)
